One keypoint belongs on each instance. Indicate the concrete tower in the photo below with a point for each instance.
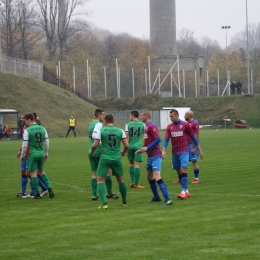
(163, 26)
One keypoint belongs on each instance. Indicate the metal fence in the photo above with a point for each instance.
(21, 67)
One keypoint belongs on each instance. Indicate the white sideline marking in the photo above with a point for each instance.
(67, 185)
(198, 194)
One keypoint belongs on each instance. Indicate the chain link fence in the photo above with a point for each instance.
(21, 67)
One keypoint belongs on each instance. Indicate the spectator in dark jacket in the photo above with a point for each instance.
(239, 86)
(38, 121)
(232, 87)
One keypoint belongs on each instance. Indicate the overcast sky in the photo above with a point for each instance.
(203, 17)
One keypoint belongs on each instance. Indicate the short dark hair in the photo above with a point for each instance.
(29, 116)
(98, 111)
(134, 113)
(174, 111)
(35, 115)
(109, 118)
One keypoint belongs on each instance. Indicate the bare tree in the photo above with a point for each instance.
(48, 11)
(10, 26)
(29, 35)
(57, 19)
(240, 39)
(208, 47)
(187, 44)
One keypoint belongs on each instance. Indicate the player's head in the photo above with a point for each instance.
(146, 115)
(188, 116)
(71, 117)
(174, 115)
(109, 119)
(22, 118)
(134, 115)
(99, 114)
(35, 115)
(29, 119)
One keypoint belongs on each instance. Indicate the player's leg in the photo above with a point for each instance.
(117, 170)
(131, 157)
(184, 161)
(74, 131)
(137, 165)
(44, 188)
(32, 170)
(176, 166)
(44, 176)
(103, 167)
(152, 181)
(108, 181)
(35, 183)
(24, 179)
(156, 164)
(196, 170)
(94, 165)
(193, 157)
(69, 129)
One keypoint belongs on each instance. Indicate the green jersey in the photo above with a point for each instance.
(135, 131)
(111, 137)
(35, 135)
(94, 127)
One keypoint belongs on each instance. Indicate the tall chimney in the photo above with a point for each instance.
(163, 26)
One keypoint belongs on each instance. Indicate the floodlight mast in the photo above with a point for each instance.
(226, 27)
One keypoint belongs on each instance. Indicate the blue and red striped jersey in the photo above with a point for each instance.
(194, 124)
(179, 134)
(150, 134)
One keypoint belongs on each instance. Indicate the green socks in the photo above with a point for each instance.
(108, 181)
(94, 187)
(35, 184)
(137, 176)
(132, 173)
(102, 192)
(46, 180)
(122, 189)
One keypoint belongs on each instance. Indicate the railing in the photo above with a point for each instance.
(21, 67)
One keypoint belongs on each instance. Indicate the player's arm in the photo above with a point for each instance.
(157, 140)
(94, 146)
(196, 133)
(165, 142)
(97, 137)
(24, 145)
(126, 131)
(19, 153)
(97, 128)
(196, 142)
(125, 143)
(46, 146)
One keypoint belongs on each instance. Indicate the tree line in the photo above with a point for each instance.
(48, 31)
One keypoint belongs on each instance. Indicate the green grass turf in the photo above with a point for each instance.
(219, 221)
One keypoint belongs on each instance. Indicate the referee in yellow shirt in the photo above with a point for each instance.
(72, 126)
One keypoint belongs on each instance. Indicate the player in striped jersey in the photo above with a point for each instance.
(151, 146)
(193, 150)
(179, 132)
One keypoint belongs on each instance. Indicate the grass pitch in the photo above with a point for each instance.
(219, 221)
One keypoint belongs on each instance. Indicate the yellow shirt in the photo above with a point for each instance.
(72, 122)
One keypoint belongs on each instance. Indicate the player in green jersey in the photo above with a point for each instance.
(34, 136)
(111, 137)
(94, 159)
(134, 132)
